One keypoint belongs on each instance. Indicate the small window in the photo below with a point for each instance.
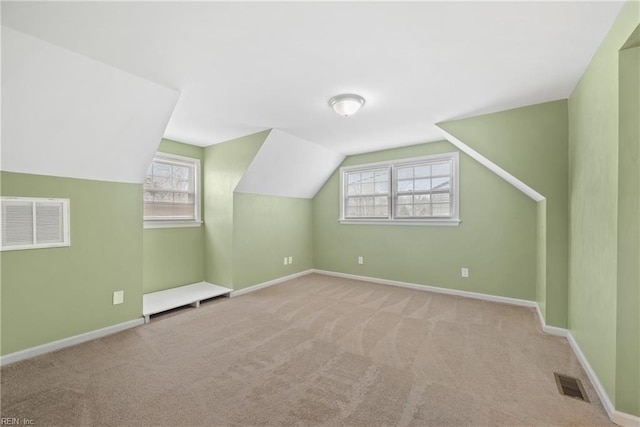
(34, 223)
(368, 193)
(172, 192)
(418, 191)
(423, 190)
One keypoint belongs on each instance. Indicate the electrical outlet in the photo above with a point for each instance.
(118, 297)
(465, 272)
(286, 260)
(360, 260)
(290, 260)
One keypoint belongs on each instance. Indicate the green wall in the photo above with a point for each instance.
(628, 298)
(56, 293)
(531, 144)
(596, 312)
(496, 238)
(265, 230)
(174, 256)
(224, 165)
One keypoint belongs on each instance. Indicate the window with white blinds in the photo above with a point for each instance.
(32, 223)
(172, 192)
(414, 191)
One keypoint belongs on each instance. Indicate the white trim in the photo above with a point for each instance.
(436, 289)
(492, 166)
(171, 224)
(625, 420)
(269, 283)
(68, 342)
(602, 394)
(438, 222)
(551, 330)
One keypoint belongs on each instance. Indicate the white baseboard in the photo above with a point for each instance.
(269, 283)
(625, 420)
(620, 418)
(602, 394)
(435, 289)
(551, 330)
(67, 342)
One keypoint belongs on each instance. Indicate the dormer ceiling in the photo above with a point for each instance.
(244, 67)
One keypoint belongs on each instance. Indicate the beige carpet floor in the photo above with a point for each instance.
(316, 350)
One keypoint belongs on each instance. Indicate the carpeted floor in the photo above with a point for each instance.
(316, 350)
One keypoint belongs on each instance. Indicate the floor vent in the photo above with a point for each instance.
(569, 386)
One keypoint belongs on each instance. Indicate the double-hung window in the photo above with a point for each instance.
(416, 191)
(172, 192)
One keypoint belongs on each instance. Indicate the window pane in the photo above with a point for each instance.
(353, 190)
(422, 184)
(381, 211)
(353, 178)
(404, 186)
(421, 210)
(382, 187)
(353, 212)
(422, 171)
(405, 200)
(367, 176)
(381, 201)
(441, 210)
(367, 188)
(440, 198)
(404, 210)
(404, 173)
(440, 183)
(441, 169)
(421, 198)
(382, 176)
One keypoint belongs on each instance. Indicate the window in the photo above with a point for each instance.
(411, 191)
(34, 223)
(172, 192)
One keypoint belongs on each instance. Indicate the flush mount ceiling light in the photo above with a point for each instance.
(346, 104)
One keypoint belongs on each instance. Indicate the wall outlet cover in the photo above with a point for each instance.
(118, 297)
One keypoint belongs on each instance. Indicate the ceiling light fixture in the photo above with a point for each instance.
(346, 104)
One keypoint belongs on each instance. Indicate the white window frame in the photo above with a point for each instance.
(177, 222)
(391, 166)
(66, 233)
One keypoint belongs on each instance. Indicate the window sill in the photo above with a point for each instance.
(171, 224)
(431, 222)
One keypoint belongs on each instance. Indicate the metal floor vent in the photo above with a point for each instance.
(569, 386)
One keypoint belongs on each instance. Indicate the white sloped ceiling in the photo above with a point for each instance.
(289, 166)
(64, 114)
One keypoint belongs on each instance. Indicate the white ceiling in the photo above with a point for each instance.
(245, 67)
(300, 173)
(66, 115)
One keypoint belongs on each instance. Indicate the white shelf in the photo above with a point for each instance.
(157, 302)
